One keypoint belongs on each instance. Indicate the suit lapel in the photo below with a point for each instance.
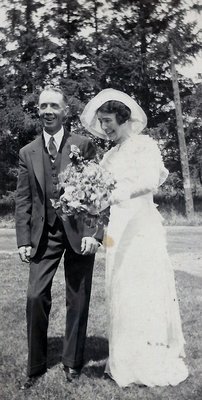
(37, 162)
(66, 149)
(37, 156)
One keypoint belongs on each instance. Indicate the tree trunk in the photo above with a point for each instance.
(189, 207)
(145, 98)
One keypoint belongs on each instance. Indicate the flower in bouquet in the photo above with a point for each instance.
(87, 188)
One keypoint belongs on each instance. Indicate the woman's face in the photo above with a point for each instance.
(110, 126)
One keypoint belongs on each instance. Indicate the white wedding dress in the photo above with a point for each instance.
(146, 344)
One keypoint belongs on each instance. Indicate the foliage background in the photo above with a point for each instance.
(85, 46)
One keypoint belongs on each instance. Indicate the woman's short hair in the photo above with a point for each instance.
(122, 112)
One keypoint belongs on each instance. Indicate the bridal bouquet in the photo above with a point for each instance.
(86, 190)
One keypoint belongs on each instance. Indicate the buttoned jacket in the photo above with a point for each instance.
(30, 198)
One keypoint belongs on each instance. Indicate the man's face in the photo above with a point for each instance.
(52, 110)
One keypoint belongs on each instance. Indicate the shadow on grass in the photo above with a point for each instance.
(96, 349)
(55, 346)
(94, 371)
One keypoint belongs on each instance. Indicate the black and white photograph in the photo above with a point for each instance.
(101, 199)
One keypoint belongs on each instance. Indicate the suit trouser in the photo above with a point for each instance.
(78, 276)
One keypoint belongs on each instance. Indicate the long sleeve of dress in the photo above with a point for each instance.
(137, 166)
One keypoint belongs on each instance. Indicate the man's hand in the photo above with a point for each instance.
(24, 253)
(89, 245)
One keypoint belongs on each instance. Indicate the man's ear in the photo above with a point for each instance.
(38, 110)
(66, 111)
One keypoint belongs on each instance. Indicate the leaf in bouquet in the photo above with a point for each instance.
(91, 221)
(64, 217)
(97, 204)
(55, 203)
(99, 175)
(104, 217)
(84, 208)
(65, 209)
(105, 195)
(93, 196)
(92, 210)
(85, 180)
(88, 194)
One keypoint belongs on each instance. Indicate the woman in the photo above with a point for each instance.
(146, 343)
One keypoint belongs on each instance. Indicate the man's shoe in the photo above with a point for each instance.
(31, 380)
(72, 373)
(107, 376)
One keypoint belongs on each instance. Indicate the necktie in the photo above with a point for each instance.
(52, 148)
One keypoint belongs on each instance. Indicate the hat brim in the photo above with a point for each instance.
(90, 120)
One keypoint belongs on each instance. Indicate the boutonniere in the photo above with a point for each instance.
(75, 153)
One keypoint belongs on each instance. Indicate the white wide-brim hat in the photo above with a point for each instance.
(89, 119)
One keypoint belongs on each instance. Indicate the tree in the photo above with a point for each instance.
(88, 45)
(137, 50)
(182, 144)
(193, 126)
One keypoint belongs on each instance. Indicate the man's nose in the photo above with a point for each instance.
(48, 109)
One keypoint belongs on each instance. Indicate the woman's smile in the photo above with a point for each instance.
(111, 127)
(109, 124)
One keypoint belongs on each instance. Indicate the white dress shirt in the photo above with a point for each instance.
(57, 138)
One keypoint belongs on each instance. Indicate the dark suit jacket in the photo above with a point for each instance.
(30, 198)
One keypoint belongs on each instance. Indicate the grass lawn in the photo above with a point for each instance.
(91, 384)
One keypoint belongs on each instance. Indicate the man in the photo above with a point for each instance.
(43, 237)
